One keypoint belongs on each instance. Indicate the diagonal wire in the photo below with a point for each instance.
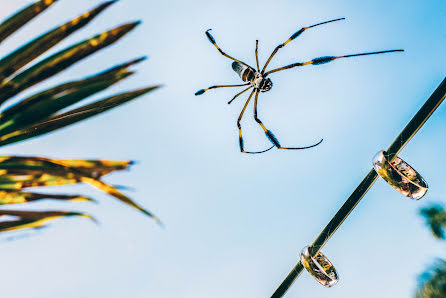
(398, 144)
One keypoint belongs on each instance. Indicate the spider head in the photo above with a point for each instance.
(266, 85)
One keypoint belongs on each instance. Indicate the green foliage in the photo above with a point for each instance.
(435, 217)
(33, 219)
(432, 283)
(41, 113)
(22, 17)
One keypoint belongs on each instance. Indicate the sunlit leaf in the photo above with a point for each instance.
(113, 191)
(20, 197)
(49, 110)
(15, 22)
(28, 52)
(73, 116)
(17, 180)
(32, 219)
(42, 100)
(46, 172)
(61, 60)
(40, 170)
(96, 168)
(45, 104)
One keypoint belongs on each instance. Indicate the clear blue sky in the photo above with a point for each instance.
(235, 224)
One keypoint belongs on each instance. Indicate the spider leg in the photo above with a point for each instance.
(212, 40)
(271, 136)
(257, 55)
(229, 102)
(201, 91)
(296, 34)
(326, 59)
(240, 128)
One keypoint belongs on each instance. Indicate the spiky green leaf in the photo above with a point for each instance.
(33, 219)
(43, 105)
(46, 170)
(38, 114)
(34, 166)
(17, 180)
(20, 197)
(61, 60)
(15, 22)
(73, 116)
(25, 54)
(39, 106)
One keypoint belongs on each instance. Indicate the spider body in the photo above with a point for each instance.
(257, 80)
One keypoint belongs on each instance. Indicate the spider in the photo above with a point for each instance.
(259, 81)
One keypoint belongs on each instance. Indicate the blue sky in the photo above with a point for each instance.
(235, 224)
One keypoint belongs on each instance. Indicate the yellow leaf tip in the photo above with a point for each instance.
(49, 2)
(86, 216)
(83, 199)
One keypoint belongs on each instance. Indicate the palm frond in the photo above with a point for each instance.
(25, 54)
(61, 60)
(33, 219)
(20, 197)
(33, 166)
(25, 172)
(59, 121)
(49, 110)
(39, 107)
(17, 180)
(19, 19)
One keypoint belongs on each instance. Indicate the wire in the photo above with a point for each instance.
(398, 144)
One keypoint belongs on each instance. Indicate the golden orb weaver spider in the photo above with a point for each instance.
(258, 80)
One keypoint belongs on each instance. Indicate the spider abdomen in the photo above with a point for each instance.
(247, 74)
